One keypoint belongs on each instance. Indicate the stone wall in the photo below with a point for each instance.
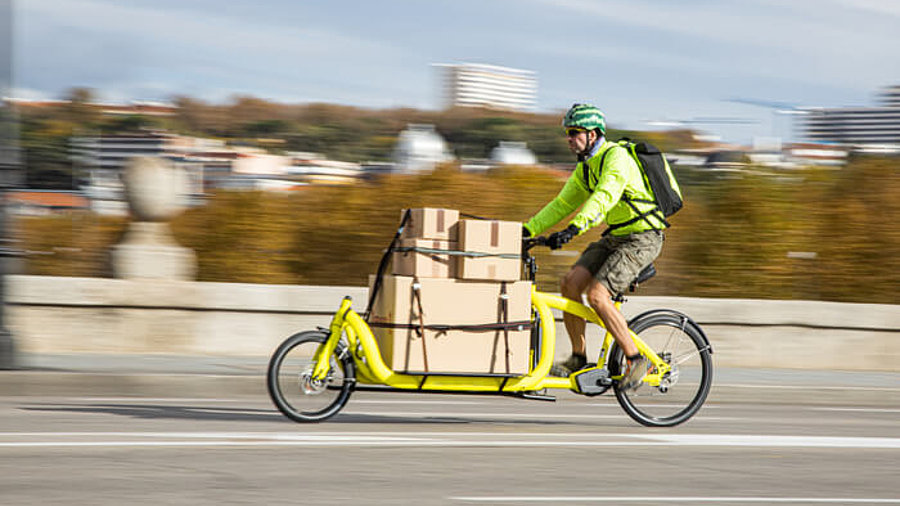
(93, 315)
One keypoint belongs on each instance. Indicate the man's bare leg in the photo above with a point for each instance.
(600, 299)
(572, 285)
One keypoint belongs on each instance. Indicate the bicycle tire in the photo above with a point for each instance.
(688, 350)
(280, 375)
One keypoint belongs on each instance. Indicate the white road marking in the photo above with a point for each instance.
(664, 499)
(150, 399)
(808, 387)
(862, 410)
(432, 439)
(777, 441)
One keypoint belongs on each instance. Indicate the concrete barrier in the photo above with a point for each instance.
(94, 315)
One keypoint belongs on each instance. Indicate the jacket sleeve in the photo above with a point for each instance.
(613, 178)
(572, 195)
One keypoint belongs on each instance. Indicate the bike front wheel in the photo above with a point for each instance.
(291, 385)
(679, 342)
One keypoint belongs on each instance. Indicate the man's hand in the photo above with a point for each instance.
(556, 240)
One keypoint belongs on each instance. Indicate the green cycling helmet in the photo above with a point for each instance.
(585, 116)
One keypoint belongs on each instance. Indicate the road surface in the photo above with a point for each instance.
(764, 437)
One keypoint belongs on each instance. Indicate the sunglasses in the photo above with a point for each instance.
(572, 132)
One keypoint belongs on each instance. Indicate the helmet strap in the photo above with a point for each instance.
(588, 148)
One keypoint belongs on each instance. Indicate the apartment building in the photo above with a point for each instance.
(479, 85)
(862, 126)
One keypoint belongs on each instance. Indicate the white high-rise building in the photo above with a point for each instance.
(479, 85)
(857, 125)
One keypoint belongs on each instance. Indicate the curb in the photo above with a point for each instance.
(86, 384)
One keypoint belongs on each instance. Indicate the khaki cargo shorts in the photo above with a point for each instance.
(616, 260)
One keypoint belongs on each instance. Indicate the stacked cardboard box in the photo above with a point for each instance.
(451, 302)
(442, 312)
(500, 240)
(494, 245)
(430, 223)
(427, 228)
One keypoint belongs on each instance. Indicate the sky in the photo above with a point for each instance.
(643, 62)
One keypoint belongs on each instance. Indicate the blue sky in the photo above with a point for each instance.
(641, 61)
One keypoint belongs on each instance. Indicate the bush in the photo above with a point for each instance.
(735, 237)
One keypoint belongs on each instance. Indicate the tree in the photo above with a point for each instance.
(79, 108)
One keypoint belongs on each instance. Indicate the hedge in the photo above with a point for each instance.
(824, 234)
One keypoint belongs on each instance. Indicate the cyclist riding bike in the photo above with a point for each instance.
(630, 243)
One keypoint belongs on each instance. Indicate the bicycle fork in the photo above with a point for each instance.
(323, 353)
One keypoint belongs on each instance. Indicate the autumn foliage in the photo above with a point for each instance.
(829, 234)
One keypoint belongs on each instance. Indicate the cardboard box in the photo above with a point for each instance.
(425, 265)
(431, 223)
(493, 237)
(451, 302)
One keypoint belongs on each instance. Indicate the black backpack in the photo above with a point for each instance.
(658, 177)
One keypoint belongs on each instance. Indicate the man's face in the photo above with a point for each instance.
(579, 139)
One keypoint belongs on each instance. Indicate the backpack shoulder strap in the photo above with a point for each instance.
(586, 170)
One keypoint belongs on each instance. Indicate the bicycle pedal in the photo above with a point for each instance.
(592, 381)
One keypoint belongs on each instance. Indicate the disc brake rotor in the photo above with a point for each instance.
(310, 386)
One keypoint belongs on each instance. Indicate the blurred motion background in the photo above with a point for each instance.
(306, 127)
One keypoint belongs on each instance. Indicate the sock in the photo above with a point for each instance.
(633, 358)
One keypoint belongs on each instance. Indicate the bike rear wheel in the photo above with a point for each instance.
(678, 341)
(291, 386)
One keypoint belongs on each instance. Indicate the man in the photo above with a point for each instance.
(609, 193)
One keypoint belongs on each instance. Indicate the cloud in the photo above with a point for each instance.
(802, 41)
(120, 46)
(886, 7)
(645, 57)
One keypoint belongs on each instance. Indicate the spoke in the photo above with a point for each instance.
(669, 340)
(684, 358)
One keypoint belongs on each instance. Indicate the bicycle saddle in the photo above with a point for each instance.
(645, 274)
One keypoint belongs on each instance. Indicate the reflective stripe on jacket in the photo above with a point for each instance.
(620, 175)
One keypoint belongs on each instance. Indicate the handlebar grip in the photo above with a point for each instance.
(530, 242)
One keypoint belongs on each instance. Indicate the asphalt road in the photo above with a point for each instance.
(75, 438)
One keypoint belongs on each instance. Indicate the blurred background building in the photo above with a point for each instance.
(479, 85)
(419, 149)
(513, 153)
(100, 159)
(864, 126)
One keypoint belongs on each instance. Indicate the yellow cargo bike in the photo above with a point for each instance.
(312, 374)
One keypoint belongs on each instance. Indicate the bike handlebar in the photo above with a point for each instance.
(530, 242)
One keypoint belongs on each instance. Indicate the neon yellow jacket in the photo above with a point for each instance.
(620, 175)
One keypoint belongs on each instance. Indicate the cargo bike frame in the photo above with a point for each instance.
(312, 374)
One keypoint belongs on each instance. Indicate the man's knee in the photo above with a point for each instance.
(598, 295)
